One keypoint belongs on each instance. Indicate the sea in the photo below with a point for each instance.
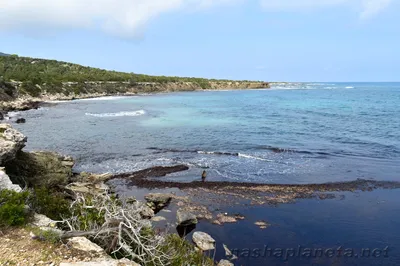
(308, 133)
(289, 134)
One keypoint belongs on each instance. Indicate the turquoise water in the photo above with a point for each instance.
(307, 133)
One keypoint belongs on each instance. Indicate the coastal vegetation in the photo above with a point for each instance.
(34, 77)
(40, 193)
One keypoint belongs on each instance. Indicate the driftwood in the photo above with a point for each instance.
(124, 231)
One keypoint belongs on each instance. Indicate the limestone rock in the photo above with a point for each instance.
(11, 142)
(262, 224)
(40, 220)
(203, 241)
(5, 182)
(41, 169)
(225, 263)
(158, 201)
(186, 218)
(158, 218)
(224, 218)
(146, 212)
(101, 262)
(88, 188)
(85, 245)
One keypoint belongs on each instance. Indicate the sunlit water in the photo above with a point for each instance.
(304, 134)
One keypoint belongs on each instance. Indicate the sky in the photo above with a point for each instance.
(268, 40)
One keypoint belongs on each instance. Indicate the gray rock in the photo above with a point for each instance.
(158, 219)
(88, 188)
(6, 183)
(225, 263)
(11, 142)
(85, 245)
(41, 220)
(203, 241)
(158, 201)
(21, 121)
(185, 218)
(146, 212)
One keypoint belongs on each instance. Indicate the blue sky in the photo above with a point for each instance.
(271, 40)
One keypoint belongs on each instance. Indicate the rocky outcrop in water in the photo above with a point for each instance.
(203, 241)
(20, 121)
(185, 218)
(158, 201)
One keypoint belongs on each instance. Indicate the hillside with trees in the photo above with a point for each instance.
(37, 77)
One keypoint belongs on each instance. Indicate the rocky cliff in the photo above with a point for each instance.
(19, 169)
(14, 97)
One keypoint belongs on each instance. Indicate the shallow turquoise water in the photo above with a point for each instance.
(309, 133)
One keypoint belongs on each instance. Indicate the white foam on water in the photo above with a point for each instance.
(105, 98)
(253, 157)
(119, 114)
(349, 87)
(58, 101)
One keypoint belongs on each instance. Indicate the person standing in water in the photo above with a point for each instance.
(203, 176)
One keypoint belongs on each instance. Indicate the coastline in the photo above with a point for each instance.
(233, 204)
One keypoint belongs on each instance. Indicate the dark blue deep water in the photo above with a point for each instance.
(306, 134)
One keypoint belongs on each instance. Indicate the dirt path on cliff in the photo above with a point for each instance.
(18, 248)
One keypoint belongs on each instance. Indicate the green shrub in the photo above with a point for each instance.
(87, 217)
(183, 252)
(31, 89)
(12, 208)
(50, 203)
(46, 235)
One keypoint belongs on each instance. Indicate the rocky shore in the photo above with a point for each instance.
(11, 99)
(181, 209)
(23, 171)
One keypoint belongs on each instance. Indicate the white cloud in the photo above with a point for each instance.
(368, 8)
(122, 17)
(373, 7)
(129, 17)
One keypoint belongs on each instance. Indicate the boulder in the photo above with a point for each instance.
(11, 142)
(88, 188)
(85, 245)
(158, 218)
(225, 263)
(89, 177)
(158, 201)
(5, 182)
(225, 218)
(185, 218)
(203, 241)
(20, 121)
(146, 212)
(40, 220)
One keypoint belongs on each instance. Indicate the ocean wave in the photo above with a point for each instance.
(119, 114)
(253, 157)
(218, 153)
(349, 87)
(289, 150)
